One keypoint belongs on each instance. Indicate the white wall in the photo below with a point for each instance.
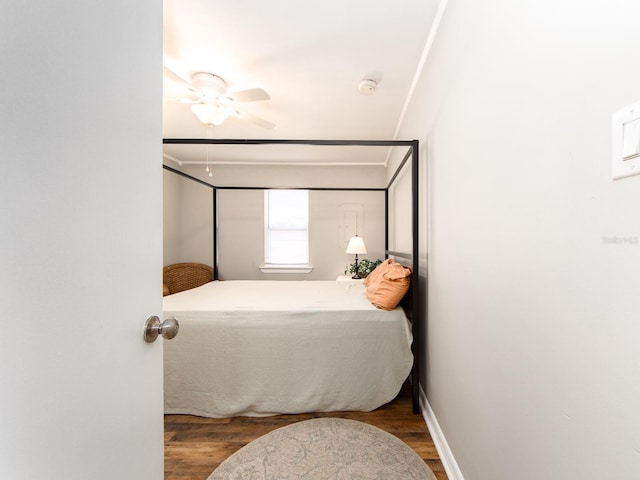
(533, 363)
(188, 217)
(401, 211)
(290, 175)
(187, 220)
(241, 233)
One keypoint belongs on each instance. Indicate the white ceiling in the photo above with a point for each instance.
(309, 57)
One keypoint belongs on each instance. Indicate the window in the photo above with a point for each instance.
(286, 228)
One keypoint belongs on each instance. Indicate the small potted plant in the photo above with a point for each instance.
(365, 267)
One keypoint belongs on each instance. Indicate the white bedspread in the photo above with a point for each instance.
(266, 347)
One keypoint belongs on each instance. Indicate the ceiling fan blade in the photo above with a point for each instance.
(175, 77)
(250, 95)
(185, 100)
(261, 122)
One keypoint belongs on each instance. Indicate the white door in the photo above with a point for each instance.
(80, 239)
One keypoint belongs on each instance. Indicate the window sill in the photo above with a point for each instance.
(272, 268)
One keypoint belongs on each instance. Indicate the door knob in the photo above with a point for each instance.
(152, 328)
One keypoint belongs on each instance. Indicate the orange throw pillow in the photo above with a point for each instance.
(387, 287)
(379, 270)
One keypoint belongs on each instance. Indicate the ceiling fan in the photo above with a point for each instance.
(212, 103)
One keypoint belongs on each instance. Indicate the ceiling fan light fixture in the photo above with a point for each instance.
(209, 84)
(209, 114)
(212, 103)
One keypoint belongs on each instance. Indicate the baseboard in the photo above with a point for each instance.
(446, 456)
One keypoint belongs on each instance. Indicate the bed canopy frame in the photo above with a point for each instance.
(411, 259)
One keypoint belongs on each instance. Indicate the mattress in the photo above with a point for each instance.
(258, 348)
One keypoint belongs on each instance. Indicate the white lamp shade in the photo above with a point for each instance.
(356, 245)
(209, 114)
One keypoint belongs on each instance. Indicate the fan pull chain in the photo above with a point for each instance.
(208, 170)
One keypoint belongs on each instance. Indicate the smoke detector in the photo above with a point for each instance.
(367, 87)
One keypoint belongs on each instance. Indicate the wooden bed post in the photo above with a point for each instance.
(417, 314)
(414, 301)
(386, 220)
(215, 233)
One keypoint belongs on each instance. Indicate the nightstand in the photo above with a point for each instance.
(347, 278)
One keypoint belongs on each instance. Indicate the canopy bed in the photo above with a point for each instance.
(266, 347)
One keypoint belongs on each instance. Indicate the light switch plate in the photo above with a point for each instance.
(625, 142)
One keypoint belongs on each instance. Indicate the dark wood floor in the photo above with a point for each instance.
(195, 446)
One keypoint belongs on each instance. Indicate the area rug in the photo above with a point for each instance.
(325, 448)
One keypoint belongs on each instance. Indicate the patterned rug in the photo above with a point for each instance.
(325, 448)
